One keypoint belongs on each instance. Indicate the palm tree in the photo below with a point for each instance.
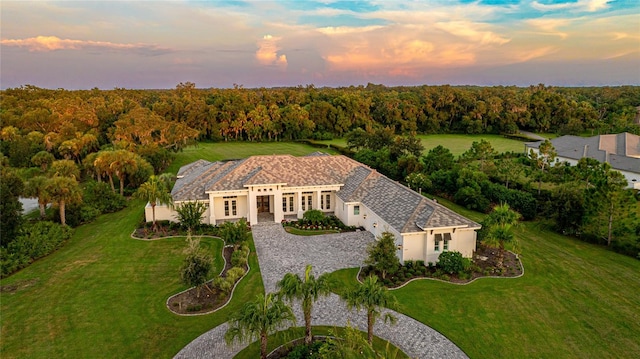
(123, 163)
(371, 295)
(308, 290)
(63, 191)
(500, 223)
(36, 187)
(258, 319)
(155, 192)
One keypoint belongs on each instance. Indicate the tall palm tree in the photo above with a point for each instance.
(308, 290)
(258, 319)
(500, 222)
(36, 187)
(123, 163)
(155, 192)
(63, 191)
(371, 296)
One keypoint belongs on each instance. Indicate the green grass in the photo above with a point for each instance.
(280, 338)
(457, 143)
(103, 295)
(217, 151)
(576, 300)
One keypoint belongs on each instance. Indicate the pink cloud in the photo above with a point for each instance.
(54, 43)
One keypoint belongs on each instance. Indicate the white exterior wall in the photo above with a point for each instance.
(413, 246)
(218, 206)
(463, 241)
(163, 213)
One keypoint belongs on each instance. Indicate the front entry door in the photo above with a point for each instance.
(263, 204)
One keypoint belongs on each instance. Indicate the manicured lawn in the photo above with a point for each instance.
(575, 300)
(103, 295)
(456, 143)
(217, 151)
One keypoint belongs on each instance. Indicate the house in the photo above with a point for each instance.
(279, 187)
(621, 151)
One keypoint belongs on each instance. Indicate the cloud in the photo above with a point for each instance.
(267, 53)
(584, 5)
(549, 26)
(54, 43)
(471, 31)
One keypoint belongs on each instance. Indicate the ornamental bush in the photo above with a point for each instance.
(452, 262)
(314, 216)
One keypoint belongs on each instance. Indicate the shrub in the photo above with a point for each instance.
(451, 262)
(223, 285)
(234, 274)
(100, 196)
(37, 240)
(239, 257)
(314, 216)
(234, 233)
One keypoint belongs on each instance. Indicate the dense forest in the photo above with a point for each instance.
(83, 151)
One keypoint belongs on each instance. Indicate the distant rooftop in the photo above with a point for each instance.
(621, 151)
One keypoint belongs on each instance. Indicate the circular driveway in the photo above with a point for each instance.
(280, 252)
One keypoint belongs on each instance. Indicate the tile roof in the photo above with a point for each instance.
(402, 208)
(621, 151)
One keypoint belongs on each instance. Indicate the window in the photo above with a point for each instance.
(287, 203)
(328, 201)
(447, 238)
(230, 206)
(356, 210)
(309, 202)
(440, 237)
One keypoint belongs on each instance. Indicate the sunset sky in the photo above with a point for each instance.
(157, 44)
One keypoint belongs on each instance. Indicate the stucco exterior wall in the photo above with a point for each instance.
(413, 246)
(218, 206)
(163, 213)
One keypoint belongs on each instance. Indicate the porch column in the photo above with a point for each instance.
(278, 216)
(252, 208)
(212, 212)
(318, 200)
(300, 213)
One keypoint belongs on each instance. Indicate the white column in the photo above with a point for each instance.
(252, 208)
(212, 212)
(300, 213)
(318, 200)
(278, 216)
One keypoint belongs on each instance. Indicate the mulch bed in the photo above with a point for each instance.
(210, 298)
(484, 259)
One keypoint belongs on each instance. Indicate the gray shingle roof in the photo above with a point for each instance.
(621, 151)
(402, 208)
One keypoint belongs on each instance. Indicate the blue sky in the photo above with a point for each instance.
(157, 44)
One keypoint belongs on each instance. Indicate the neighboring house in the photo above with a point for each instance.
(280, 187)
(621, 151)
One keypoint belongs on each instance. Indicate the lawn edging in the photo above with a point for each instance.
(450, 282)
(230, 294)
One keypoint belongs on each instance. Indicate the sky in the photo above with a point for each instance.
(158, 44)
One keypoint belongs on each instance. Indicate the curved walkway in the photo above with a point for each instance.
(280, 253)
